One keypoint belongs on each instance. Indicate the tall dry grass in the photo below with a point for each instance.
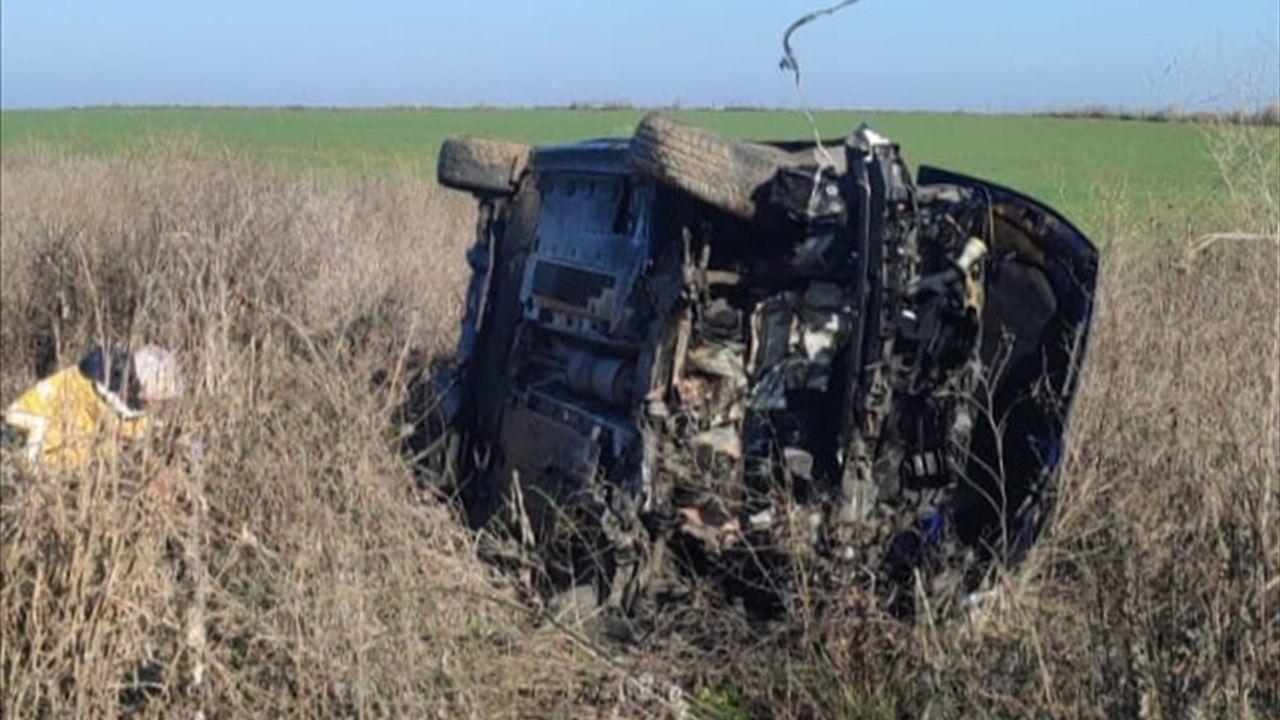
(335, 589)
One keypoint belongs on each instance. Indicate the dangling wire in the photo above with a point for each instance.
(789, 63)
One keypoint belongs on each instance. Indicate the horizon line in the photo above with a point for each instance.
(622, 106)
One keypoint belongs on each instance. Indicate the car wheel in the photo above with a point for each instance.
(482, 165)
(727, 174)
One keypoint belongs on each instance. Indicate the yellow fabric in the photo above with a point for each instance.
(69, 422)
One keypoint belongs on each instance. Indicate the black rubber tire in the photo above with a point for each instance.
(726, 174)
(482, 165)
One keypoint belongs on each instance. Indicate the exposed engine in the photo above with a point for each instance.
(818, 362)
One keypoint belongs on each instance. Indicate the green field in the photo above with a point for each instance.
(1078, 165)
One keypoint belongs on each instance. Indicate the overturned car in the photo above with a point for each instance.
(685, 354)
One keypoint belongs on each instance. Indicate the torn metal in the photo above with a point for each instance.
(683, 341)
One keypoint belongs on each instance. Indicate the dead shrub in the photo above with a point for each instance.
(330, 587)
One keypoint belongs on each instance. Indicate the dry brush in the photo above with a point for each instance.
(334, 588)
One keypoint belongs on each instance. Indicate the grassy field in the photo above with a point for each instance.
(1073, 164)
(304, 575)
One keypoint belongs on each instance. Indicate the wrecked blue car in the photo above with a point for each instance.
(685, 354)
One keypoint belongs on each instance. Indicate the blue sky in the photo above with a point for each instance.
(893, 54)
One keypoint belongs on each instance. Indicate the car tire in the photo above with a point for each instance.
(482, 165)
(727, 174)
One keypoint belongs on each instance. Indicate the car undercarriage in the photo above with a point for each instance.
(685, 354)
